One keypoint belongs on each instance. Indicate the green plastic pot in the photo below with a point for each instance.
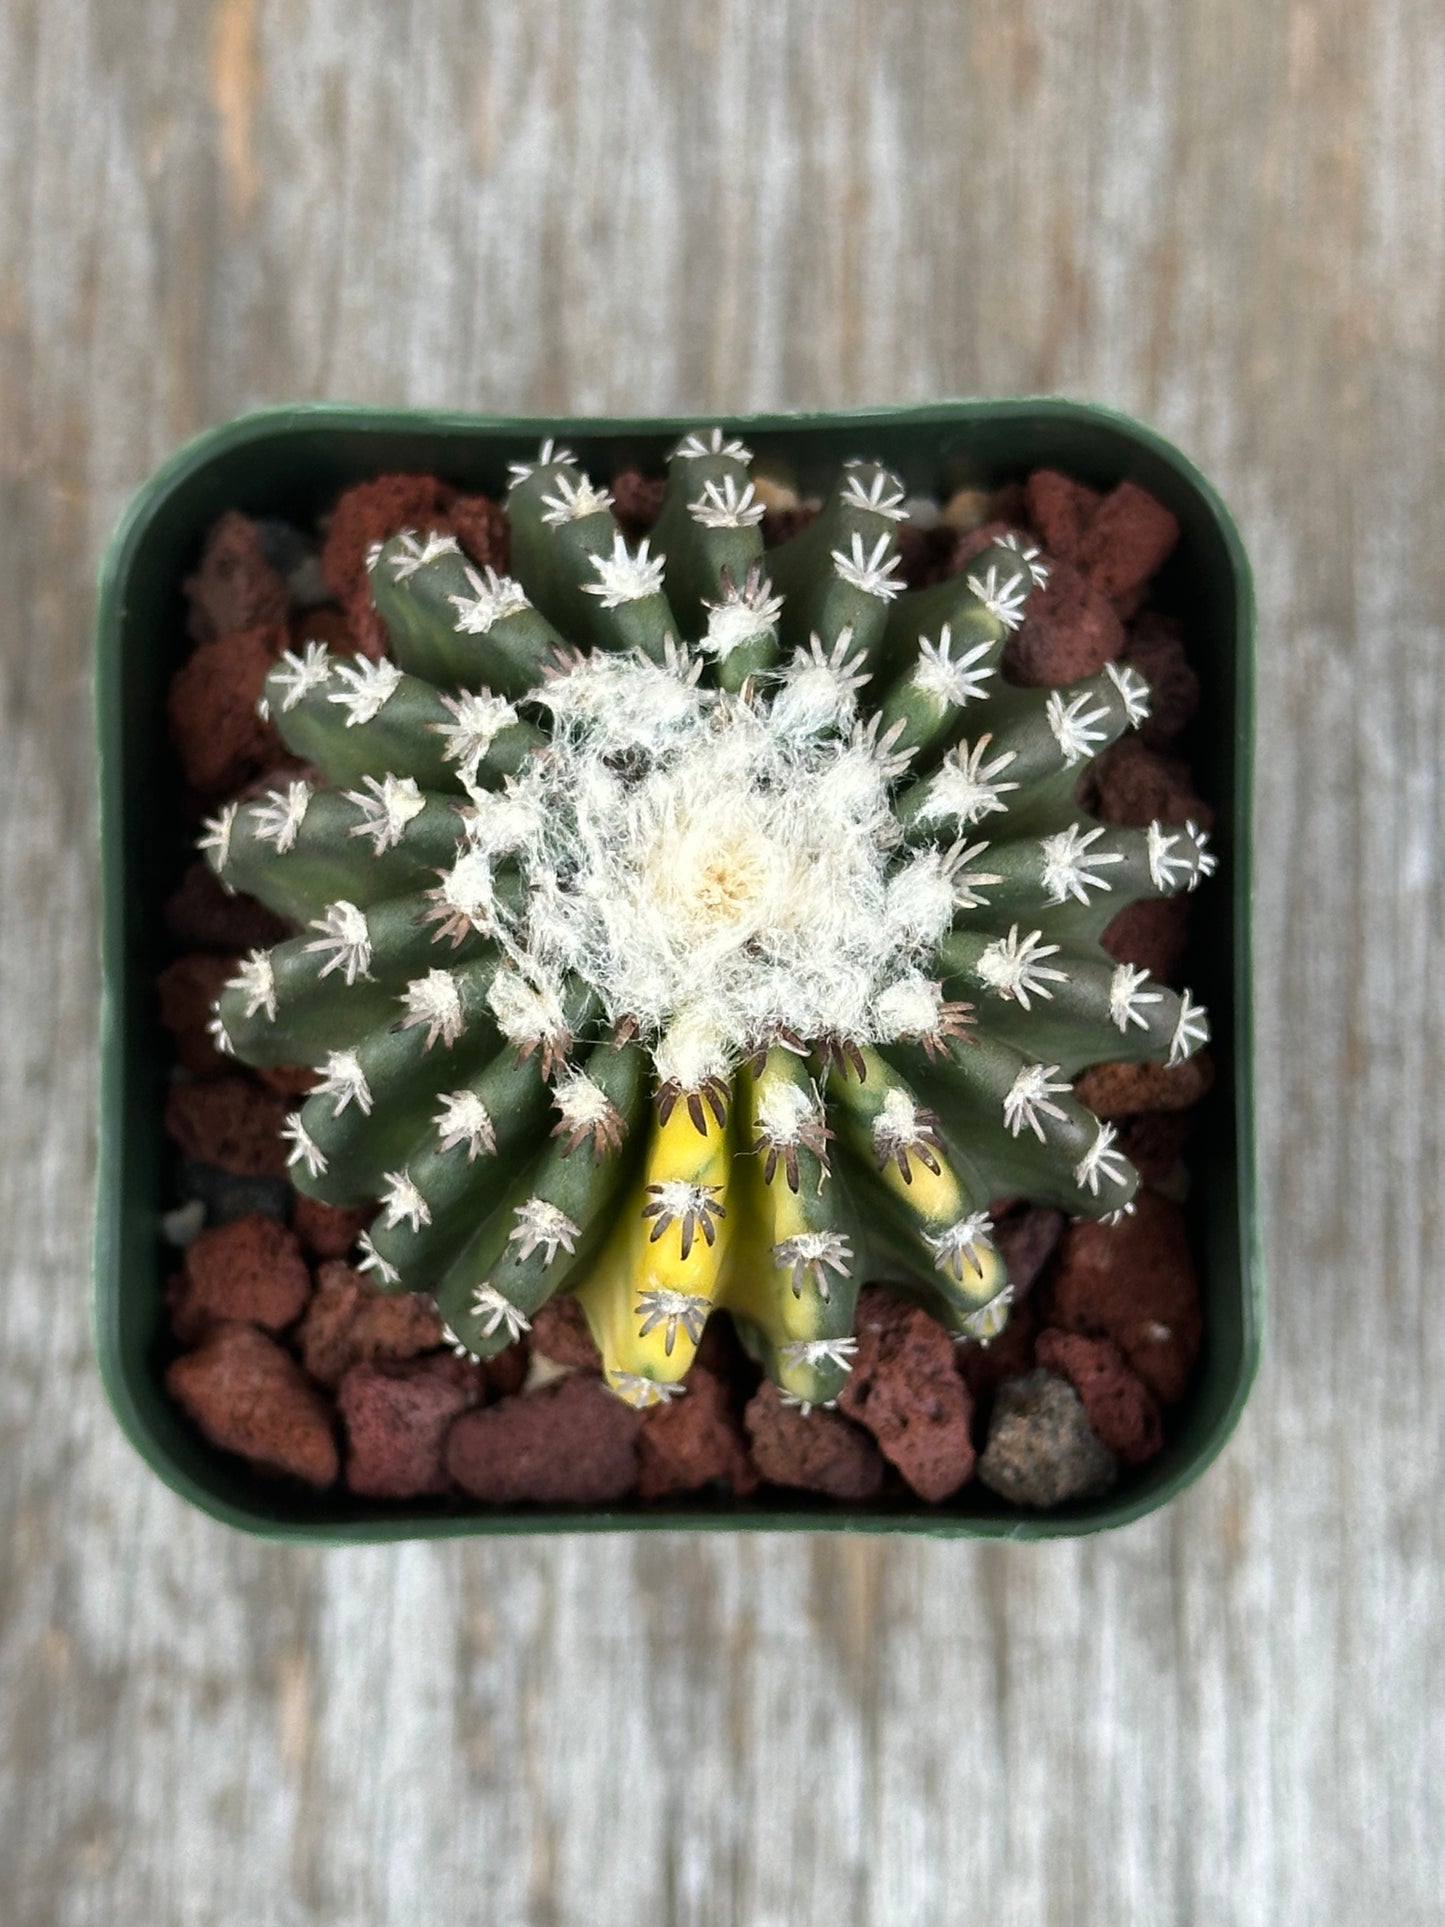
(292, 463)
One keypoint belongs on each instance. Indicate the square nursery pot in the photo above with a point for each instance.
(292, 463)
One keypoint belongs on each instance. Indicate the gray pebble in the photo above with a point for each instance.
(1041, 1449)
(184, 1225)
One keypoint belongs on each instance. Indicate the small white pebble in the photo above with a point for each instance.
(184, 1225)
(965, 509)
(923, 512)
(774, 494)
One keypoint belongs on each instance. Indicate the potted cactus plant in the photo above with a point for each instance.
(685, 926)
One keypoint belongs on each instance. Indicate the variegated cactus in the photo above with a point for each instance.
(686, 927)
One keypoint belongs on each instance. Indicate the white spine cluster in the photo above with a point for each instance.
(1029, 1099)
(368, 688)
(411, 553)
(402, 1202)
(874, 573)
(215, 841)
(725, 506)
(1014, 967)
(493, 598)
(541, 1226)
(465, 1120)
(1101, 1161)
(386, 807)
(304, 1149)
(711, 441)
(883, 496)
(495, 1313)
(1075, 725)
(812, 1255)
(529, 1013)
(255, 980)
(278, 820)
(547, 454)
(1133, 692)
(344, 1080)
(1071, 865)
(748, 610)
(819, 689)
(296, 676)
(345, 941)
(1191, 1031)
(969, 784)
(962, 1243)
(573, 500)
(1128, 997)
(956, 680)
(435, 1001)
(820, 1351)
(1004, 597)
(478, 718)
(669, 1308)
(625, 577)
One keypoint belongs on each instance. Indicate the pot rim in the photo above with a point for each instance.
(274, 1511)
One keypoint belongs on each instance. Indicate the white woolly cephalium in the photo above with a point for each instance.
(730, 875)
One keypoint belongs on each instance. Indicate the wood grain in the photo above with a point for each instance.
(1226, 215)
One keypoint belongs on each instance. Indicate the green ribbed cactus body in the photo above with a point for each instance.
(693, 926)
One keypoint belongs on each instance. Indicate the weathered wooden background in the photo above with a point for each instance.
(1226, 215)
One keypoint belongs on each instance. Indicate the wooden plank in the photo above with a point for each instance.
(1225, 216)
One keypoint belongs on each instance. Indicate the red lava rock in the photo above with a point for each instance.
(637, 500)
(1156, 649)
(250, 1396)
(917, 554)
(1069, 631)
(905, 1389)
(1026, 1239)
(928, 554)
(966, 544)
(235, 587)
(1117, 1090)
(1009, 505)
(1134, 1282)
(325, 1229)
(1153, 933)
(250, 1270)
(781, 525)
(560, 1332)
(505, 1372)
(365, 626)
(397, 1418)
(984, 1368)
(1061, 509)
(481, 526)
(219, 738)
(291, 1080)
(693, 1441)
(1131, 784)
(1128, 539)
(188, 988)
(1121, 1408)
(374, 512)
(349, 1322)
(231, 1122)
(820, 1453)
(199, 915)
(1153, 1142)
(572, 1443)
(322, 624)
